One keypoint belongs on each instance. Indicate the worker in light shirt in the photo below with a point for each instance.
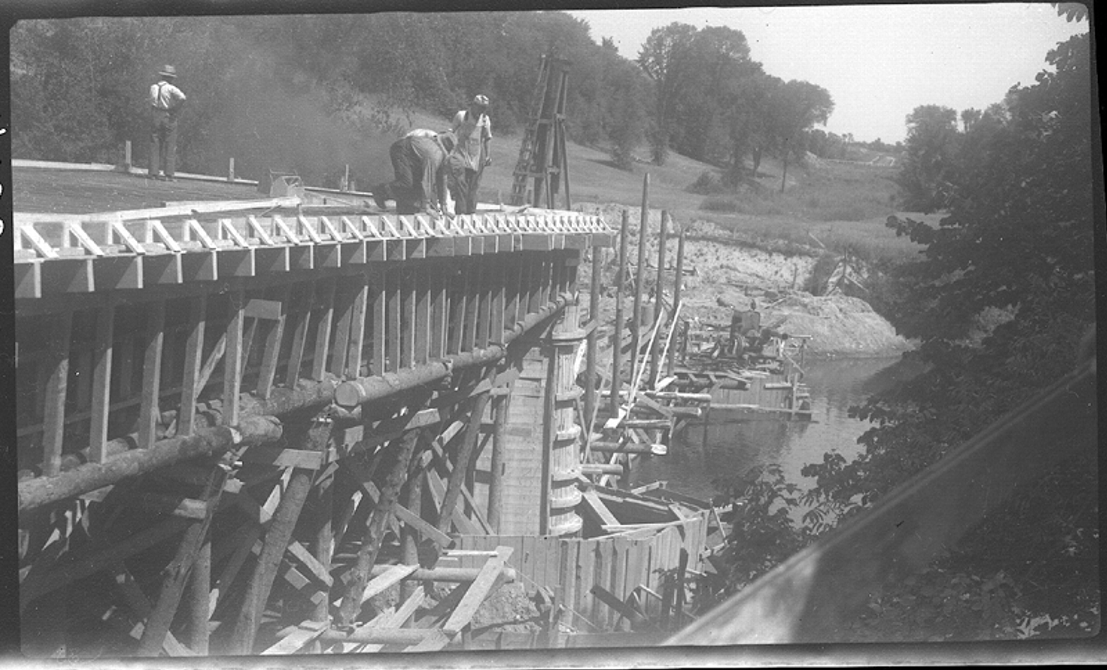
(467, 163)
(419, 164)
(166, 101)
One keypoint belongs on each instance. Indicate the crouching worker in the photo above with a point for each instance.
(419, 164)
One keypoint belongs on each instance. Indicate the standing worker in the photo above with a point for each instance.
(424, 153)
(166, 100)
(467, 163)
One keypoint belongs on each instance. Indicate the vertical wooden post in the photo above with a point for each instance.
(617, 338)
(374, 533)
(172, 587)
(324, 531)
(499, 447)
(499, 278)
(270, 354)
(380, 319)
(272, 552)
(393, 331)
(232, 357)
(200, 599)
(57, 385)
(127, 162)
(422, 280)
(101, 383)
(593, 340)
(658, 310)
(472, 304)
(357, 329)
(484, 312)
(325, 293)
(455, 307)
(414, 504)
(461, 464)
(230, 169)
(439, 311)
(149, 415)
(678, 282)
(344, 309)
(640, 278)
(408, 319)
(194, 357)
(302, 318)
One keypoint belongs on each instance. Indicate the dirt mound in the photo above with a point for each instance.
(838, 325)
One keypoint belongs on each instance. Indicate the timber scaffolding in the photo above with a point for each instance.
(242, 428)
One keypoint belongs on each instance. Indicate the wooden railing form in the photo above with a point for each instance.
(808, 597)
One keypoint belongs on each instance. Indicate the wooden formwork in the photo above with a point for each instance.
(226, 426)
(633, 566)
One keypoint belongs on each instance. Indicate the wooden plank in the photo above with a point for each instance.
(568, 577)
(325, 298)
(233, 357)
(305, 633)
(301, 319)
(499, 291)
(408, 318)
(587, 570)
(271, 353)
(620, 549)
(605, 576)
(436, 640)
(393, 334)
(149, 413)
(477, 592)
(378, 315)
(305, 557)
(484, 311)
(140, 605)
(438, 494)
(344, 308)
(472, 303)
(422, 315)
(408, 609)
(439, 311)
(527, 559)
(194, 356)
(597, 509)
(394, 575)
(357, 330)
(101, 384)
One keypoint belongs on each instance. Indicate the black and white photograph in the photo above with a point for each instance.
(395, 335)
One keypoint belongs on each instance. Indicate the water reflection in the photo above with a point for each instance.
(732, 448)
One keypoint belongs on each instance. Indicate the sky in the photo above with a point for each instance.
(879, 62)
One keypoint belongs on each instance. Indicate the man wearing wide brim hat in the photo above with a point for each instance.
(467, 163)
(419, 164)
(165, 100)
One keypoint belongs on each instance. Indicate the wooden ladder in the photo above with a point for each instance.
(526, 150)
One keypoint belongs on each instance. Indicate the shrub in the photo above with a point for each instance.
(720, 204)
(707, 183)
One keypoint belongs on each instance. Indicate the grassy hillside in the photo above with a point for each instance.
(836, 205)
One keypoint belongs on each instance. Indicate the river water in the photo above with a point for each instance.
(734, 447)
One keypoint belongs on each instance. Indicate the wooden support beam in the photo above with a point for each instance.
(271, 352)
(344, 310)
(393, 331)
(497, 465)
(355, 355)
(176, 574)
(149, 413)
(233, 357)
(194, 357)
(323, 542)
(378, 316)
(301, 320)
(461, 464)
(617, 338)
(141, 607)
(472, 304)
(477, 592)
(598, 510)
(439, 311)
(304, 634)
(374, 532)
(200, 599)
(499, 277)
(101, 384)
(325, 296)
(422, 280)
(276, 542)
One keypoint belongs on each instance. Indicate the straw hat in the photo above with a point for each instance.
(169, 71)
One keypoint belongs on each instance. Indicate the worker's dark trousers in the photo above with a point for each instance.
(463, 187)
(406, 189)
(163, 144)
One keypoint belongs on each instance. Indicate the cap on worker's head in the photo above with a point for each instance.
(448, 140)
(481, 101)
(168, 71)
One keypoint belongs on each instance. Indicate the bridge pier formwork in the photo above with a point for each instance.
(226, 427)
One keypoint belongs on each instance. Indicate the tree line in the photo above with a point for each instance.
(309, 92)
